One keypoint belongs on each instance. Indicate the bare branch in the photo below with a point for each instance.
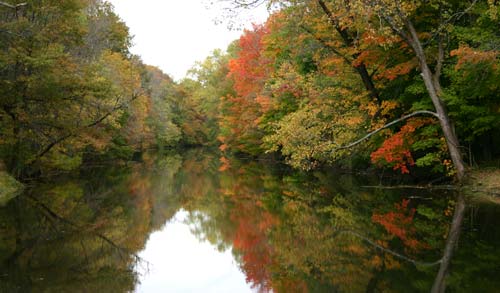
(248, 4)
(422, 112)
(424, 187)
(463, 189)
(76, 132)
(16, 6)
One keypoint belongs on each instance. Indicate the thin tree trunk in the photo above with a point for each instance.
(432, 89)
(13, 162)
(349, 42)
(367, 81)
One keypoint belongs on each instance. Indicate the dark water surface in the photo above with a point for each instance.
(196, 223)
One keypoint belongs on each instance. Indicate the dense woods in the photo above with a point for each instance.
(407, 86)
(411, 86)
(106, 146)
(71, 91)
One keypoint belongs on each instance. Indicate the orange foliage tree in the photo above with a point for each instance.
(395, 150)
(240, 113)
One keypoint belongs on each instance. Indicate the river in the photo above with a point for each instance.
(196, 222)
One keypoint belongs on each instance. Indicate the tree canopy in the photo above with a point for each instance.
(406, 85)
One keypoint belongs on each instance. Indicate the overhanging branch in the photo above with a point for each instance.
(52, 214)
(11, 6)
(422, 112)
(75, 133)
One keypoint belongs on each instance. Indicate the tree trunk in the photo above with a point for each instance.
(445, 122)
(432, 87)
(349, 42)
(367, 81)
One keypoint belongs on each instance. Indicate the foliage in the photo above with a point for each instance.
(318, 75)
(240, 112)
(85, 231)
(70, 87)
(398, 223)
(395, 151)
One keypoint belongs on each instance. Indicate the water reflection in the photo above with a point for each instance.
(179, 262)
(285, 231)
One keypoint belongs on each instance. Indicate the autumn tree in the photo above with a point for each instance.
(37, 74)
(206, 83)
(240, 112)
(70, 88)
(163, 94)
(402, 54)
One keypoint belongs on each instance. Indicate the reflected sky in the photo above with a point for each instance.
(179, 262)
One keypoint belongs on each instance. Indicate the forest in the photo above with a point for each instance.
(410, 87)
(338, 146)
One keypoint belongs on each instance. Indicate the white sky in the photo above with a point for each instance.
(173, 34)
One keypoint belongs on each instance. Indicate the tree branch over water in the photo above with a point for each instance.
(422, 112)
(465, 188)
(75, 132)
(13, 6)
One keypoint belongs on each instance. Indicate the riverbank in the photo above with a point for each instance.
(487, 180)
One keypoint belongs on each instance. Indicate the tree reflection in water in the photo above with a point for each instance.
(288, 231)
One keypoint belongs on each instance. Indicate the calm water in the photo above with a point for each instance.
(196, 223)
